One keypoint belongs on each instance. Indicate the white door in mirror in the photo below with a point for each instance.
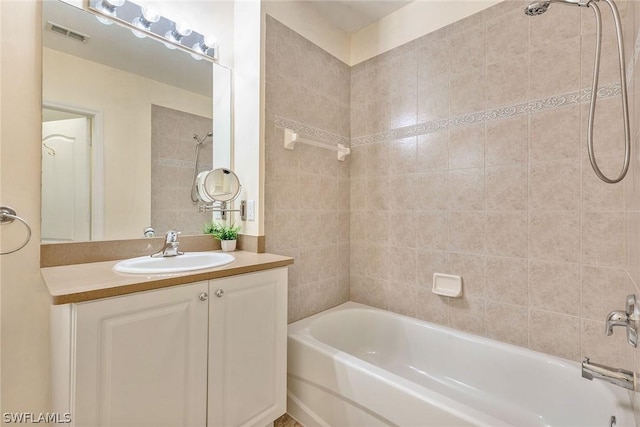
(186, 262)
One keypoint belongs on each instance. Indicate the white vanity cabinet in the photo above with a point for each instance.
(175, 356)
(248, 349)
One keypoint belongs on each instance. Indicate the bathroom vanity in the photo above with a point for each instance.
(205, 348)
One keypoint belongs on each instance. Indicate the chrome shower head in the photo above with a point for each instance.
(201, 140)
(537, 8)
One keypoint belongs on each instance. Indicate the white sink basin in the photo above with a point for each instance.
(186, 262)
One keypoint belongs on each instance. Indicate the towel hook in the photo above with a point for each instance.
(7, 216)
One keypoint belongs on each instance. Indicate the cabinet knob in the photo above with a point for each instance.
(219, 293)
(204, 296)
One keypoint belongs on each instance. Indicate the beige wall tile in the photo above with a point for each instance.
(515, 330)
(507, 141)
(432, 230)
(431, 307)
(377, 159)
(378, 261)
(603, 290)
(466, 147)
(432, 191)
(558, 62)
(369, 291)
(506, 280)
(466, 92)
(466, 189)
(506, 188)
(378, 193)
(403, 156)
(471, 269)
(433, 98)
(554, 236)
(603, 238)
(468, 49)
(506, 234)
(467, 314)
(598, 195)
(510, 204)
(555, 185)
(402, 192)
(608, 130)
(554, 334)
(555, 287)
(433, 152)
(428, 263)
(377, 226)
(466, 231)
(402, 265)
(404, 229)
(505, 81)
(402, 298)
(555, 134)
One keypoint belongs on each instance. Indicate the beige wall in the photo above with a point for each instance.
(408, 23)
(469, 158)
(632, 184)
(465, 162)
(172, 169)
(25, 302)
(307, 189)
(126, 111)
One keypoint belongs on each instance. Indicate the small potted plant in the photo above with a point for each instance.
(228, 235)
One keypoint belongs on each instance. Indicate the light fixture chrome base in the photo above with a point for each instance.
(129, 11)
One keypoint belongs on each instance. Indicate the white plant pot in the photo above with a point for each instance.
(228, 245)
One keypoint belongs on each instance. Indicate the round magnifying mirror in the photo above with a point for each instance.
(218, 185)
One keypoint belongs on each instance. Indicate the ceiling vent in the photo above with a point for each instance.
(83, 38)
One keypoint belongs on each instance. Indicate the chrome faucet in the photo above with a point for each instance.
(171, 244)
(627, 318)
(620, 377)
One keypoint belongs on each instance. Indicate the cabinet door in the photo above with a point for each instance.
(140, 359)
(248, 349)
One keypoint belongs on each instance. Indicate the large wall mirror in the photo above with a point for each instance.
(122, 117)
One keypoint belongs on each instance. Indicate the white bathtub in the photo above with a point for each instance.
(359, 366)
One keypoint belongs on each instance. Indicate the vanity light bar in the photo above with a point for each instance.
(129, 12)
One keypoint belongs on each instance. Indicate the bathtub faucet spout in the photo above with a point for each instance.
(620, 377)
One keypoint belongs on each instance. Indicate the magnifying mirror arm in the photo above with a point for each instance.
(213, 207)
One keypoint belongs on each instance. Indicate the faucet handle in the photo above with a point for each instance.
(628, 319)
(172, 236)
(631, 305)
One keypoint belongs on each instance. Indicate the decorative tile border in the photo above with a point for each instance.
(305, 130)
(633, 60)
(181, 163)
(534, 106)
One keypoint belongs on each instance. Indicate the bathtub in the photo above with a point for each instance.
(355, 365)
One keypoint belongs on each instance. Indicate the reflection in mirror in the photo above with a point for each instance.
(127, 110)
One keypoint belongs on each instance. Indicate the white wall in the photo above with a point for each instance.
(408, 23)
(24, 341)
(302, 18)
(126, 110)
(412, 21)
(205, 17)
(248, 149)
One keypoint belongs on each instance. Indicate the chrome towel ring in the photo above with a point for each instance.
(7, 216)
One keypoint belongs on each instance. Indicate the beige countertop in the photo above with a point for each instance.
(85, 282)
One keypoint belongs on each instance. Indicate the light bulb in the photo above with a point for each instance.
(208, 42)
(108, 7)
(150, 15)
(176, 34)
